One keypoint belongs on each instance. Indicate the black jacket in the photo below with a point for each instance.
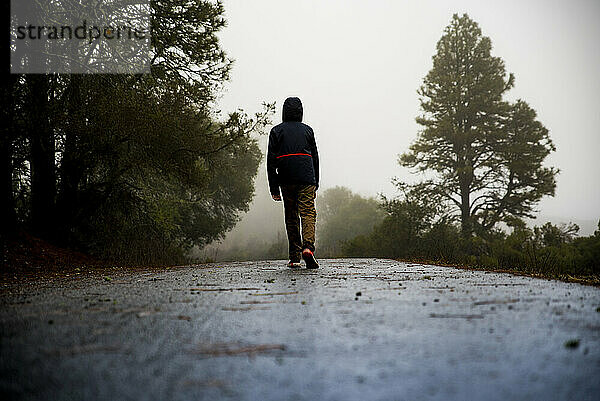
(292, 157)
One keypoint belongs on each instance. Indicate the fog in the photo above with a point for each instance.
(356, 65)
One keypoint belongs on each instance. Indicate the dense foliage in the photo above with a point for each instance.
(135, 168)
(414, 229)
(342, 215)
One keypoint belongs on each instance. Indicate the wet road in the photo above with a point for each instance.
(356, 329)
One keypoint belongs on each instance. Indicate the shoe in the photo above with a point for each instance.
(293, 265)
(309, 258)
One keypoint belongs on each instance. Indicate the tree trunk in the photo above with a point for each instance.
(465, 209)
(43, 174)
(70, 169)
(7, 202)
(465, 182)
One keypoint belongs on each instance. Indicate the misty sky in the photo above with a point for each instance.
(356, 65)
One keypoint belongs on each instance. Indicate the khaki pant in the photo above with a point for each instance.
(299, 206)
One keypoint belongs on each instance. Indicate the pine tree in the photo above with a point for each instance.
(484, 154)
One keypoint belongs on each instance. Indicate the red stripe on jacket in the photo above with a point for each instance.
(294, 154)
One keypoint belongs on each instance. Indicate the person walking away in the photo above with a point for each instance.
(293, 169)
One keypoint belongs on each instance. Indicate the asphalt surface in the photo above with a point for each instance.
(356, 329)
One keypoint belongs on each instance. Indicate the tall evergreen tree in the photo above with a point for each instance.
(485, 154)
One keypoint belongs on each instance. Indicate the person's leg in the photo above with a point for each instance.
(289, 193)
(308, 214)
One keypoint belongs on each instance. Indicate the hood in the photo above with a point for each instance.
(292, 109)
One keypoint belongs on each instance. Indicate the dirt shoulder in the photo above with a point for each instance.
(26, 258)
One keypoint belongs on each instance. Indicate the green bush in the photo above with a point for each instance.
(411, 231)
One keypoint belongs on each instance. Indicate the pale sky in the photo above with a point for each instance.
(356, 66)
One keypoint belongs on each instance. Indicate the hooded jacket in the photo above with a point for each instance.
(292, 157)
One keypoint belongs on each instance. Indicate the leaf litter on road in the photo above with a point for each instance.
(231, 349)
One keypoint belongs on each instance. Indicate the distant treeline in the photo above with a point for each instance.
(132, 168)
(341, 216)
(409, 228)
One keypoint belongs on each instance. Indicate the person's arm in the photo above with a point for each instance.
(272, 167)
(315, 158)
